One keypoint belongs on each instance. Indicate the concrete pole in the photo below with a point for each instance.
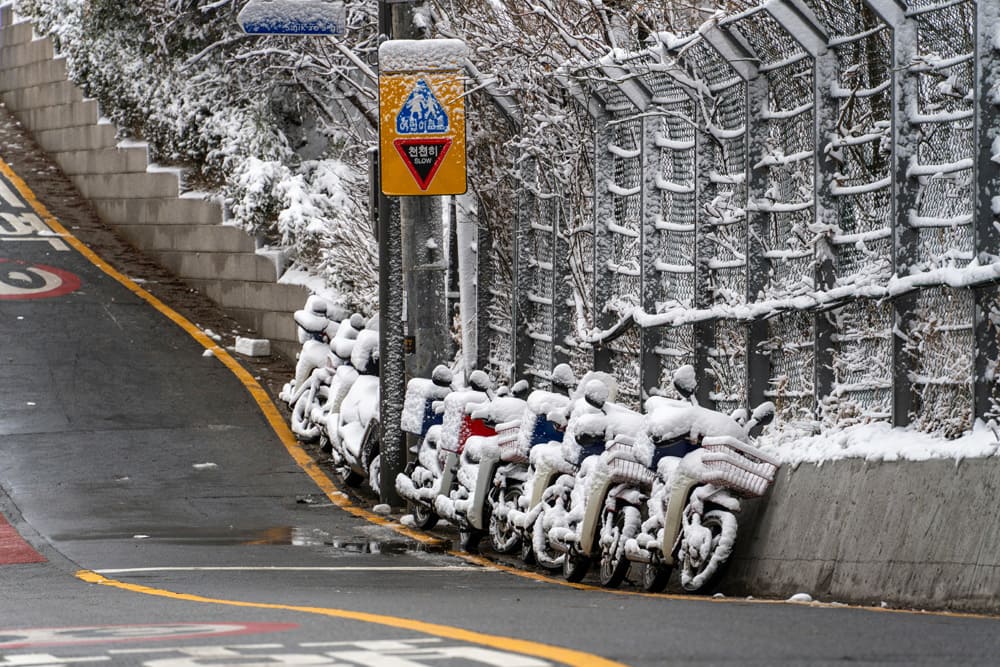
(412, 291)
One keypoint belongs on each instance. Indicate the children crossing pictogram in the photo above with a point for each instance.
(422, 113)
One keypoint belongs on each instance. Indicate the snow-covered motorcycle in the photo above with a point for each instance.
(466, 502)
(357, 441)
(541, 423)
(702, 463)
(431, 472)
(571, 513)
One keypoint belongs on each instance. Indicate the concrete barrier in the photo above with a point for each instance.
(915, 534)
(183, 233)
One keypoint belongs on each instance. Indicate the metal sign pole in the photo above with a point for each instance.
(392, 357)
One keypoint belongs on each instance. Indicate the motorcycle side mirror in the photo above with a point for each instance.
(763, 414)
(685, 381)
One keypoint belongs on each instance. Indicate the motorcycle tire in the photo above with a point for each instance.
(655, 577)
(547, 557)
(575, 567)
(703, 576)
(375, 474)
(527, 551)
(353, 478)
(504, 536)
(424, 518)
(620, 526)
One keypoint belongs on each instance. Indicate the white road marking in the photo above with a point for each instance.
(345, 568)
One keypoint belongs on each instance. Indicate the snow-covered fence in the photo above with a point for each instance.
(801, 197)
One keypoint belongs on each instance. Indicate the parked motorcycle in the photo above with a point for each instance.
(465, 503)
(357, 444)
(572, 512)
(542, 422)
(432, 470)
(700, 463)
(326, 347)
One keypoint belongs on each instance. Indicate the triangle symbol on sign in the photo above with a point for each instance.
(423, 157)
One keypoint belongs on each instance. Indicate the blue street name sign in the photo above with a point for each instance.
(293, 17)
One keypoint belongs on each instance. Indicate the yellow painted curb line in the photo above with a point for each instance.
(524, 647)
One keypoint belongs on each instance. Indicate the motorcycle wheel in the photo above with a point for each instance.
(575, 567)
(655, 577)
(614, 564)
(527, 550)
(302, 426)
(702, 573)
(503, 534)
(375, 473)
(546, 557)
(423, 517)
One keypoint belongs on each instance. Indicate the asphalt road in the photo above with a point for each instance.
(157, 515)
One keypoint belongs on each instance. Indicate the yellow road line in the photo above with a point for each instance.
(524, 647)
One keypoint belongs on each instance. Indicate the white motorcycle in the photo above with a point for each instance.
(466, 502)
(432, 471)
(541, 424)
(699, 463)
(573, 507)
(357, 441)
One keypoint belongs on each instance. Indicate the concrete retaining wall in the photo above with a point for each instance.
(921, 535)
(183, 233)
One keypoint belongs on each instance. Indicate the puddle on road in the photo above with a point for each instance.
(280, 536)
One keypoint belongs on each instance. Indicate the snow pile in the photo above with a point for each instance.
(401, 55)
(421, 394)
(880, 442)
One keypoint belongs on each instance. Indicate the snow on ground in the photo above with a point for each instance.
(880, 442)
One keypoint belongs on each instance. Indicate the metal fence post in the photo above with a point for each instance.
(905, 238)
(986, 217)
(759, 222)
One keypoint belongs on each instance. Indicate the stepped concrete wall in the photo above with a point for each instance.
(923, 535)
(183, 233)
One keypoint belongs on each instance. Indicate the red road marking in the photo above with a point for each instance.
(20, 280)
(13, 548)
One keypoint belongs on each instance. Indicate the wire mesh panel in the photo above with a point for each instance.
(493, 183)
(862, 365)
(671, 210)
(940, 176)
(781, 202)
(618, 235)
(862, 195)
(941, 338)
(721, 195)
(536, 257)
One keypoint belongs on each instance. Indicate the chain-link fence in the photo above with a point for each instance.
(800, 199)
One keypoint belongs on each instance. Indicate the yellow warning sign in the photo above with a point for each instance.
(422, 133)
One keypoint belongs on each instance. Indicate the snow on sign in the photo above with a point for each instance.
(293, 17)
(422, 117)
